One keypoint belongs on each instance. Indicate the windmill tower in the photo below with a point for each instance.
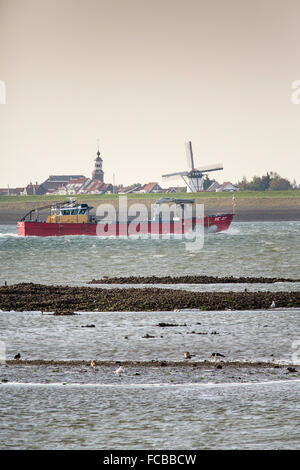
(194, 177)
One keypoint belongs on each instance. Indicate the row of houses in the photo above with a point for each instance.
(156, 188)
(224, 187)
(149, 188)
(62, 184)
(79, 184)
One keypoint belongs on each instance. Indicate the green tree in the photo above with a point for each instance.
(243, 185)
(280, 184)
(272, 181)
(207, 182)
(265, 181)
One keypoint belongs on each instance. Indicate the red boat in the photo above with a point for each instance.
(70, 218)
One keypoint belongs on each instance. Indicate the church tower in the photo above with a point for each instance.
(98, 173)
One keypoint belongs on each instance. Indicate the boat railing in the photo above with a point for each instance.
(53, 206)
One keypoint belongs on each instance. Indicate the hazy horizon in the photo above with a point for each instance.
(145, 77)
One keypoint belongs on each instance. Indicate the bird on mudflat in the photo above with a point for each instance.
(215, 354)
(187, 355)
(17, 356)
(119, 371)
(291, 369)
(93, 364)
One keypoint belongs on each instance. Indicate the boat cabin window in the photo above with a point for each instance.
(72, 211)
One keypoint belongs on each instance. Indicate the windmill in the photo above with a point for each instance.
(194, 177)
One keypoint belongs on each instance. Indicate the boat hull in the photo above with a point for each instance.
(212, 224)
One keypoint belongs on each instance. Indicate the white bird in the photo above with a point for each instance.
(272, 304)
(119, 371)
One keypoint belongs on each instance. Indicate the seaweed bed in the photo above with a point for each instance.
(62, 300)
(189, 280)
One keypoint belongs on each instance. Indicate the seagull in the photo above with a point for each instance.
(187, 355)
(17, 356)
(272, 304)
(176, 310)
(119, 371)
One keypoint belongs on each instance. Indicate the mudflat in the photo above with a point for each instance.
(66, 300)
(190, 280)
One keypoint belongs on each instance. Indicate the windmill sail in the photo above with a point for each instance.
(215, 167)
(175, 176)
(189, 154)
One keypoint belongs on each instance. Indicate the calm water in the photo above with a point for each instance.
(161, 408)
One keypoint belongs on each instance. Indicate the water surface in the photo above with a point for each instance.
(46, 407)
(246, 249)
(167, 416)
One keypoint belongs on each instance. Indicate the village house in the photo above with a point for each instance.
(227, 186)
(151, 188)
(213, 187)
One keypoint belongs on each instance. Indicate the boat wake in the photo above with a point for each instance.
(231, 231)
(6, 235)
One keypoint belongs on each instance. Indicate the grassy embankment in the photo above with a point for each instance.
(250, 205)
(48, 198)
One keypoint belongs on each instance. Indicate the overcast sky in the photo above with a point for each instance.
(143, 77)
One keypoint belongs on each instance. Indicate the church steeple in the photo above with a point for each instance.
(98, 173)
(98, 154)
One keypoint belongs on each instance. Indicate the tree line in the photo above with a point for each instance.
(271, 181)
